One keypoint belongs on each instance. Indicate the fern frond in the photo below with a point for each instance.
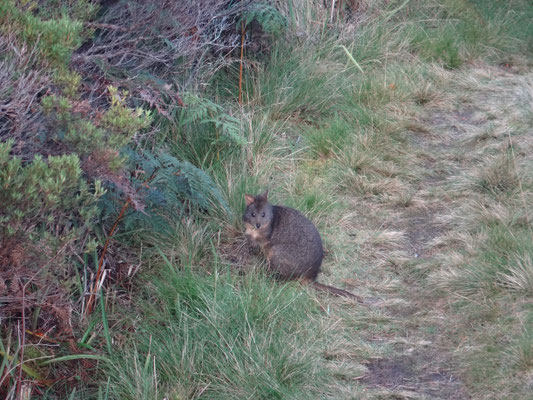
(270, 19)
(203, 111)
(198, 109)
(176, 188)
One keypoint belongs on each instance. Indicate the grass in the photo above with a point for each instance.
(485, 269)
(356, 172)
(413, 163)
(220, 337)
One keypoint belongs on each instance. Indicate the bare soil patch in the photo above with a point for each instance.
(420, 372)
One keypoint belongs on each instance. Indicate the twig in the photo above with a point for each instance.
(107, 26)
(90, 303)
(522, 194)
(332, 10)
(23, 343)
(243, 29)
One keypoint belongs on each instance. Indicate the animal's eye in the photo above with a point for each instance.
(263, 215)
(253, 214)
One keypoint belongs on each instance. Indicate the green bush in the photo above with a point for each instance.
(82, 10)
(45, 198)
(106, 135)
(55, 39)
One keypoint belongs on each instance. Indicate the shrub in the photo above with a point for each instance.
(47, 217)
(101, 138)
(20, 118)
(45, 198)
(55, 39)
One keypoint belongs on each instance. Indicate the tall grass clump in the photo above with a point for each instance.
(323, 141)
(500, 264)
(499, 224)
(516, 16)
(219, 337)
(296, 81)
(455, 32)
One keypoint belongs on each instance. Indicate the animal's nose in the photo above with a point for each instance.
(258, 226)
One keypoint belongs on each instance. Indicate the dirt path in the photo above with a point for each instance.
(447, 141)
(420, 365)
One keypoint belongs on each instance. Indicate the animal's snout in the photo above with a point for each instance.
(258, 225)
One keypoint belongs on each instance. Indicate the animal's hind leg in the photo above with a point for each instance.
(286, 265)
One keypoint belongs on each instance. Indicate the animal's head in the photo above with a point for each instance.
(258, 214)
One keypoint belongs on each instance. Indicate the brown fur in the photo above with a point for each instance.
(290, 242)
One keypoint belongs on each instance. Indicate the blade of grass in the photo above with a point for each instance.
(104, 396)
(165, 259)
(3, 365)
(77, 357)
(350, 57)
(396, 10)
(78, 281)
(105, 324)
(27, 370)
(88, 331)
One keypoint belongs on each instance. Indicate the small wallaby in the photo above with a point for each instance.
(290, 241)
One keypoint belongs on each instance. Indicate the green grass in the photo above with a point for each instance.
(323, 141)
(220, 337)
(331, 140)
(486, 269)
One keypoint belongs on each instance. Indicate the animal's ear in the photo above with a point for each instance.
(264, 196)
(249, 199)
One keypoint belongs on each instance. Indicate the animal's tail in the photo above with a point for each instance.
(335, 291)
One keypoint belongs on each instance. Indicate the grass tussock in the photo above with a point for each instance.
(220, 337)
(498, 175)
